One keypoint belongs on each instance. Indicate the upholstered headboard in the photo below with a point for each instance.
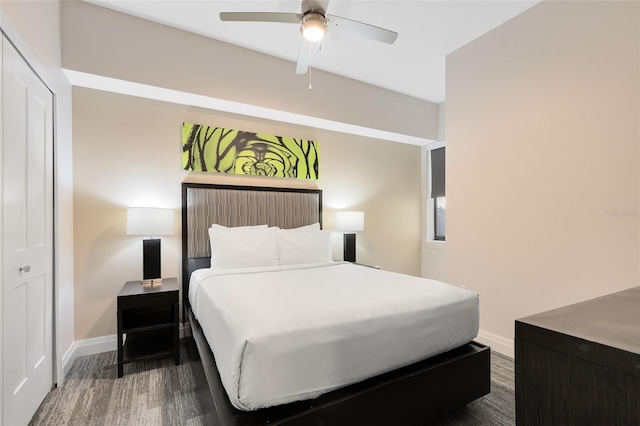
(230, 205)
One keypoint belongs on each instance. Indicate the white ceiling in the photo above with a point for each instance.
(413, 65)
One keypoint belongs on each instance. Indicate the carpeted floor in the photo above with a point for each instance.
(155, 392)
(161, 393)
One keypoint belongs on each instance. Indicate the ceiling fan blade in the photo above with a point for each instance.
(360, 29)
(287, 18)
(302, 64)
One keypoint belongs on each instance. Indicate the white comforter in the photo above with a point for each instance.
(282, 334)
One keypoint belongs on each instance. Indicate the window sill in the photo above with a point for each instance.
(434, 244)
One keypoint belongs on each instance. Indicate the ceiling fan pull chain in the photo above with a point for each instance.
(310, 87)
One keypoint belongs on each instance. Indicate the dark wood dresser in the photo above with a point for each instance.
(580, 365)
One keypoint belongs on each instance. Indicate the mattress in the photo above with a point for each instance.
(283, 334)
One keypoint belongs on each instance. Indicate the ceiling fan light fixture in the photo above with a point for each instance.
(313, 26)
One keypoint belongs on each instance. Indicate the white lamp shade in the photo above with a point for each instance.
(350, 221)
(149, 221)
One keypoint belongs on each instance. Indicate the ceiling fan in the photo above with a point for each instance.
(314, 24)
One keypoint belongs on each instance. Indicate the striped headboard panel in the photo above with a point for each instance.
(229, 205)
(241, 206)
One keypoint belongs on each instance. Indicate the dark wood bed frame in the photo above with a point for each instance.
(412, 395)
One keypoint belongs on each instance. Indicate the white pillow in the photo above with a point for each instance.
(239, 248)
(237, 228)
(303, 247)
(307, 228)
(216, 227)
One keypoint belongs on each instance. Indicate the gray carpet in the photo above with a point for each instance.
(154, 392)
(161, 393)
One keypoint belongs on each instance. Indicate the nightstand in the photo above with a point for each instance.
(148, 319)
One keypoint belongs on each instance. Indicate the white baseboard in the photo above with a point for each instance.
(497, 343)
(88, 347)
(92, 346)
(67, 361)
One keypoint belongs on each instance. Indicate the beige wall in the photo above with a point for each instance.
(127, 152)
(542, 141)
(34, 27)
(38, 24)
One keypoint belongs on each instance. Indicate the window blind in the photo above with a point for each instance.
(437, 172)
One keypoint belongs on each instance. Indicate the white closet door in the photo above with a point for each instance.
(28, 238)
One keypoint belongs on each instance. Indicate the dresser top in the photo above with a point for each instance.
(612, 320)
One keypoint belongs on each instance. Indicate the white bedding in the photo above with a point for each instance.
(282, 334)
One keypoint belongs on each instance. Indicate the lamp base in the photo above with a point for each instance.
(152, 282)
(349, 254)
(151, 259)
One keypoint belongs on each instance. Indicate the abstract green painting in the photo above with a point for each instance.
(215, 149)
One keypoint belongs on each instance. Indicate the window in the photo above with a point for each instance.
(437, 193)
(438, 219)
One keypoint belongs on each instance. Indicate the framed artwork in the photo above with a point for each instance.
(220, 150)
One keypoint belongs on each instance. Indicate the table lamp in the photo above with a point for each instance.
(349, 222)
(150, 222)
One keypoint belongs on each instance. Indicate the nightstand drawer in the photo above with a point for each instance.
(146, 300)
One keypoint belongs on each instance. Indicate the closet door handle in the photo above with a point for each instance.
(25, 268)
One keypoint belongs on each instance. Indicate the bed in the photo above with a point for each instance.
(287, 372)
